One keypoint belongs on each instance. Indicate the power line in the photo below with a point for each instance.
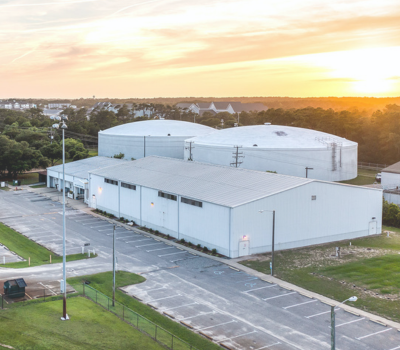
(237, 156)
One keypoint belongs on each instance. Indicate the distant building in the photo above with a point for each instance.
(219, 107)
(16, 105)
(390, 182)
(59, 105)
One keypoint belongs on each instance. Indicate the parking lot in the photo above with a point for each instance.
(231, 307)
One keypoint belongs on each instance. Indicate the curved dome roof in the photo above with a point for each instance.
(159, 128)
(271, 136)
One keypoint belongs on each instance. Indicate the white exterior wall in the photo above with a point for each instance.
(289, 161)
(339, 212)
(139, 146)
(106, 195)
(390, 180)
(392, 197)
(130, 203)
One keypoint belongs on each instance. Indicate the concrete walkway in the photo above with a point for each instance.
(234, 263)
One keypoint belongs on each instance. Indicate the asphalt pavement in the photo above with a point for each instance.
(229, 304)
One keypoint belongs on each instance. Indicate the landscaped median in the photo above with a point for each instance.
(369, 268)
(26, 249)
(102, 282)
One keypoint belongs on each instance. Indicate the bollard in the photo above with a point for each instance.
(88, 253)
(94, 252)
(29, 261)
(4, 260)
(270, 266)
(350, 244)
(50, 258)
(83, 250)
(387, 234)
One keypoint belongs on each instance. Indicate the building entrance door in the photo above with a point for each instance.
(372, 228)
(244, 248)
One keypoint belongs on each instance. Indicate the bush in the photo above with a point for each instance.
(205, 249)
(122, 218)
(214, 251)
(199, 246)
(182, 240)
(190, 244)
(157, 232)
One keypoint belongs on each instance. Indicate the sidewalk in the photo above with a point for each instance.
(233, 263)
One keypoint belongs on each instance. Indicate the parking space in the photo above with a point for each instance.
(7, 256)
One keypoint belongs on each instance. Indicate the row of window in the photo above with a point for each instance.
(112, 182)
(160, 193)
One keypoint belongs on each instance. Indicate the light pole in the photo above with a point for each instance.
(273, 239)
(113, 302)
(63, 126)
(333, 335)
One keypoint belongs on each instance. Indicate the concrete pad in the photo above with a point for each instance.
(187, 312)
(8, 255)
(170, 304)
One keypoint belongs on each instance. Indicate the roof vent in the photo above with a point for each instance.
(169, 134)
(255, 145)
(267, 123)
(280, 133)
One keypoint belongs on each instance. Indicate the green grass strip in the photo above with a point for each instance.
(38, 326)
(26, 248)
(103, 283)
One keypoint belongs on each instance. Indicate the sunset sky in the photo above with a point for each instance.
(171, 48)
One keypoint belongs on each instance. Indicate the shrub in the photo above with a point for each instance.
(214, 251)
(183, 240)
(190, 244)
(205, 249)
(122, 218)
(199, 246)
(157, 232)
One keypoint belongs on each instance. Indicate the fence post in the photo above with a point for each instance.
(137, 320)
(83, 289)
(108, 299)
(44, 294)
(155, 335)
(172, 347)
(123, 312)
(96, 296)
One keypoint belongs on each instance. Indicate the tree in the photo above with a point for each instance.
(75, 149)
(53, 152)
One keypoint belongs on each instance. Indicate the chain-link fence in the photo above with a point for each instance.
(371, 166)
(141, 323)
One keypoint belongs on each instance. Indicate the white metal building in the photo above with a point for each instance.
(151, 137)
(218, 206)
(390, 182)
(76, 175)
(282, 149)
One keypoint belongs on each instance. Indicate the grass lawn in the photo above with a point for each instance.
(103, 283)
(26, 248)
(369, 269)
(365, 177)
(38, 186)
(93, 152)
(38, 326)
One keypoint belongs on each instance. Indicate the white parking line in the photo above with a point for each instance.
(172, 254)
(321, 313)
(268, 346)
(237, 336)
(88, 219)
(201, 314)
(342, 324)
(278, 296)
(173, 296)
(150, 290)
(124, 237)
(153, 250)
(53, 234)
(104, 225)
(91, 223)
(252, 290)
(139, 240)
(246, 280)
(307, 302)
(177, 307)
(220, 324)
(370, 335)
(145, 245)
(397, 347)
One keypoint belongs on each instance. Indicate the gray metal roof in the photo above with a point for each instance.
(81, 168)
(394, 168)
(206, 182)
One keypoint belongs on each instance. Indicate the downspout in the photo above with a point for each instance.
(230, 231)
(178, 216)
(141, 224)
(119, 199)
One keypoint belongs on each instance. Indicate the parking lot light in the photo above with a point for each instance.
(333, 335)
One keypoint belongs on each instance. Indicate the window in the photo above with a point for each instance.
(192, 202)
(131, 187)
(112, 182)
(166, 195)
(313, 198)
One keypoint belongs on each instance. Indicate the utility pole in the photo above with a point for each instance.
(307, 169)
(190, 150)
(237, 156)
(113, 301)
(238, 118)
(273, 243)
